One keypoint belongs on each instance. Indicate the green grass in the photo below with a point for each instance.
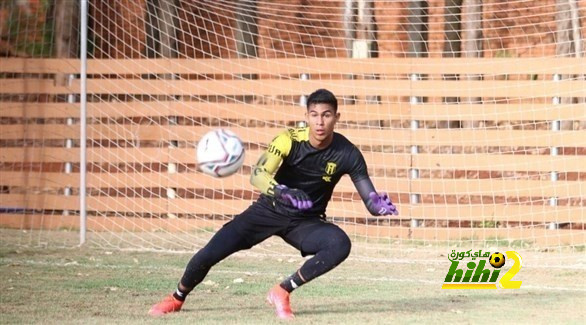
(96, 286)
(580, 248)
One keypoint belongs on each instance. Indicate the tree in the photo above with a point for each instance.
(360, 29)
(417, 32)
(568, 42)
(246, 29)
(417, 29)
(452, 44)
(161, 28)
(66, 29)
(360, 33)
(246, 34)
(66, 33)
(472, 45)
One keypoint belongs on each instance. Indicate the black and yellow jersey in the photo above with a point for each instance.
(301, 166)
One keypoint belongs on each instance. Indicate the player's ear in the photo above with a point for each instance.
(337, 117)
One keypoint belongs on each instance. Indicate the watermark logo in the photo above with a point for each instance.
(476, 274)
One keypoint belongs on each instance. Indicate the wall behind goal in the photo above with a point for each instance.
(292, 29)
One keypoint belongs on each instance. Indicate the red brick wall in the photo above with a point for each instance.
(298, 28)
(290, 28)
(118, 28)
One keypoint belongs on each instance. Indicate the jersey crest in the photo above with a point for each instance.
(329, 170)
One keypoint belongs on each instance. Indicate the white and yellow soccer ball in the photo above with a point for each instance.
(497, 260)
(220, 153)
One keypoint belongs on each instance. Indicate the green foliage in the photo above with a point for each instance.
(501, 242)
(31, 35)
(579, 248)
(503, 53)
(487, 224)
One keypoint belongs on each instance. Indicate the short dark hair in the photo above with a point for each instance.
(323, 96)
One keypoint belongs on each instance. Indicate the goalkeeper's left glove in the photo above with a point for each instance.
(380, 204)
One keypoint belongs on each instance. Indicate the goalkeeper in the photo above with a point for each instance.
(308, 163)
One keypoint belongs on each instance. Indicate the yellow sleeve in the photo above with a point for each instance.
(270, 160)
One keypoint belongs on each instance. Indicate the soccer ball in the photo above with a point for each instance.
(220, 153)
(497, 260)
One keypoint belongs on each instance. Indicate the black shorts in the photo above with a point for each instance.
(260, 222)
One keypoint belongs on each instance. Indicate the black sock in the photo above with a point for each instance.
(292, 282)
(180, 294)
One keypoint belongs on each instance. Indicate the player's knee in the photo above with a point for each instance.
(339, 245)
(345, 246)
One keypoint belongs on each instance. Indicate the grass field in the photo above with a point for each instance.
(99, 286)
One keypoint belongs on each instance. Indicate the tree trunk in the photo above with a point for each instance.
(472, 46)
(349, 26)
(168, 28)
(246, 34)
(567, 25)
(367, 33)
(66, 33)
(161, 33)
(417, 32)
(578, 46)
(246, 29)
(366, 28)
(452, 46)
(417, 29)
(161, 28)
(361, 34)
(167, 23)
(349, 38)
(452, 29)
(152, 28)
(576, 35)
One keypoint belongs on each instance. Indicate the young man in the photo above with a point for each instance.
(308, 162)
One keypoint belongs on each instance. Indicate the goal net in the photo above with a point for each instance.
(471, 114)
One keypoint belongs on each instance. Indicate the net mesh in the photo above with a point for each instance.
(470, 114)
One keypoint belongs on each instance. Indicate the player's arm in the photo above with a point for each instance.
(378, 204)
(269, 161)
(266, 166)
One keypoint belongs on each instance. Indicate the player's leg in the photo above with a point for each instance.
(224, 243)
(246, 230)
(330, 247)
(327, 242)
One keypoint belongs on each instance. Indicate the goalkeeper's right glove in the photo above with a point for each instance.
(293, 197)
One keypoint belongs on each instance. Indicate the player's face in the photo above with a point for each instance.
(321, 120)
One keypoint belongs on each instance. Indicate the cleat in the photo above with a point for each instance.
(168, 305)
(279, 298)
